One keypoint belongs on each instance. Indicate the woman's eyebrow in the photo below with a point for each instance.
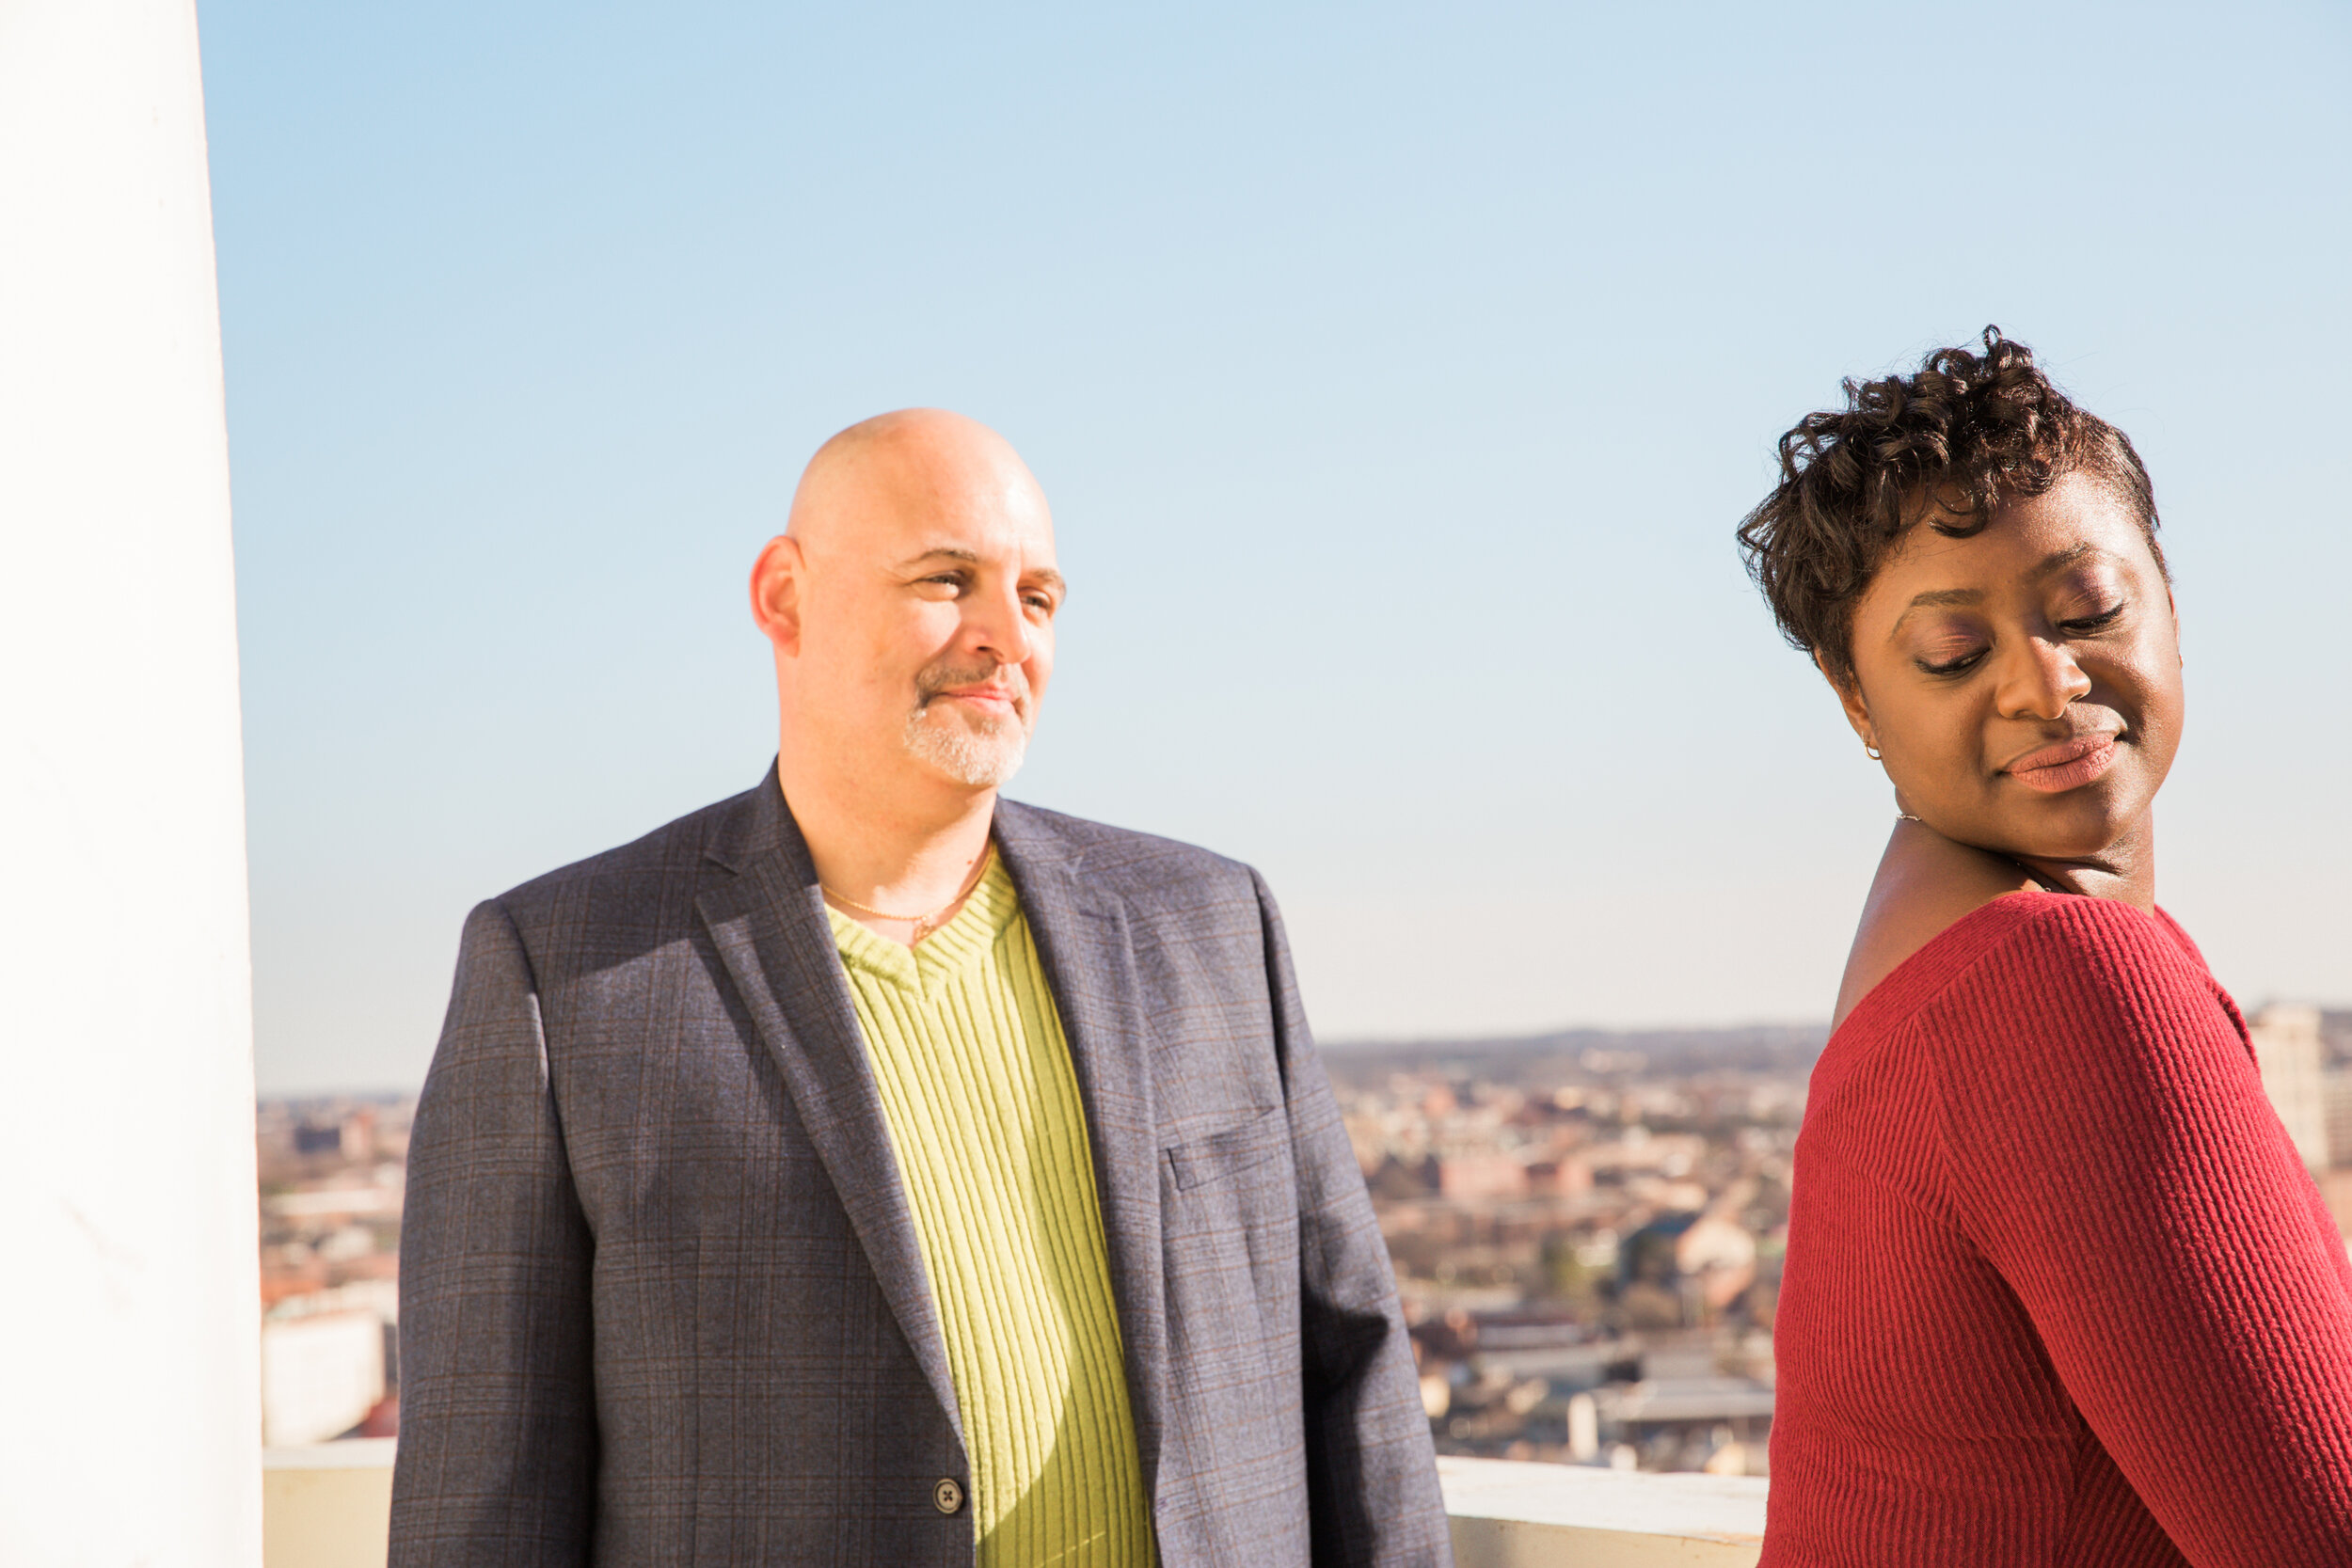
(2056, 561)
(1932, 597)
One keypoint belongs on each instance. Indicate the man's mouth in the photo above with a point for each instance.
(2068, 765)
(986, 696)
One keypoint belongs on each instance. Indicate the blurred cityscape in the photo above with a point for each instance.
(332, 1175)
(1587, 1230)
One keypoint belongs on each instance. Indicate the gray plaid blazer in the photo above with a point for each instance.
(661, 1301)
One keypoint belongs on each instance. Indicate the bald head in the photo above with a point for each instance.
(911, 602)
(911, 463)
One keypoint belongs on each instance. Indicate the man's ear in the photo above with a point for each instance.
(776, 593)
(1850, 698)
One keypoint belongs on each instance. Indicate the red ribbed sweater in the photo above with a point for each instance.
(2058, 1291)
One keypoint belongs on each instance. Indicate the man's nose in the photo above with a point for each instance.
(996, 626)
(2039, 679)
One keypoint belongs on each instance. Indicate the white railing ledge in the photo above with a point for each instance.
(327, 1505)
(1509, 1514)
(350, 1453)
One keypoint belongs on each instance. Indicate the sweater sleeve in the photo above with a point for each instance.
(2113, 1155)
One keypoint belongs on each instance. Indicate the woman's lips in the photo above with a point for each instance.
(2069, 765)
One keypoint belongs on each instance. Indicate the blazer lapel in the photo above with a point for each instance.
(1082, 936)
(768, 923)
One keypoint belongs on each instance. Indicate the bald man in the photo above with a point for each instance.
(870, 1170)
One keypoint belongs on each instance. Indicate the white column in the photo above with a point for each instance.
(129, 1426)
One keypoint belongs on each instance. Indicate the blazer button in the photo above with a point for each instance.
(947, 1495)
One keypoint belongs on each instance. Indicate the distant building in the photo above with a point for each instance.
(1716, 1424)
(321, 1204)
(351, 1136)
(322, 1373)
(2335, 1095)
(2286, 1045)
(1463, 1177)
(1399, 1181)
(1721, 1256)
(1682, 1269)
(1569, 1176)
(2335, 1189)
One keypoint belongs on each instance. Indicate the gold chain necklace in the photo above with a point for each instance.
(923, 924)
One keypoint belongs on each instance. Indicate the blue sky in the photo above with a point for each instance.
(1397, 375)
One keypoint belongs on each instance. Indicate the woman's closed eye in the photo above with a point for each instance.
(1951, 665)
(2084, 625)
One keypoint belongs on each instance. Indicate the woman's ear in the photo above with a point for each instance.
(1848, 691)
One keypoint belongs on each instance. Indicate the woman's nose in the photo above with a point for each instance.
(2039, 680)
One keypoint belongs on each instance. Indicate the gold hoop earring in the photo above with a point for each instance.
(1872, 752)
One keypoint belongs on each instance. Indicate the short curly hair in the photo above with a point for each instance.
(1967, 433)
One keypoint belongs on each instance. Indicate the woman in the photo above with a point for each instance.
(2058, 1291)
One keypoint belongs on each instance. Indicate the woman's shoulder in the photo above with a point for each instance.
(2054, 949)
(2034, 956)
(2066, 996)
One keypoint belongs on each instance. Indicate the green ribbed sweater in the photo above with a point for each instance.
(983, 1109)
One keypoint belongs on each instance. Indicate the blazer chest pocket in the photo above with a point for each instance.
(1225, 1154)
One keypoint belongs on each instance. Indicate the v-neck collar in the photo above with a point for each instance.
(947, 954)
